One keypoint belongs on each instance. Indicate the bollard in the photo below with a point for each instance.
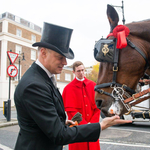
(7, 109)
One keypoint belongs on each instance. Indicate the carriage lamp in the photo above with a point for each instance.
(23, 59)
(122, 7)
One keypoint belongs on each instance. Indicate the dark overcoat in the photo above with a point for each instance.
(41, 115)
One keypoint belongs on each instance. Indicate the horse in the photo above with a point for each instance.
(124, 59)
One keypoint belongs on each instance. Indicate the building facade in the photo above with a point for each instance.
(18, 35)
(64, 78)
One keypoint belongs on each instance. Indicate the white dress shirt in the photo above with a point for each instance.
(52, 76)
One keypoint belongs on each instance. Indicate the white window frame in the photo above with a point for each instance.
(31, 25)
(58, 76)
(67, 77)
(19, 32)
(33, 38)
(33, 54)
(19, 49)
(17, 19)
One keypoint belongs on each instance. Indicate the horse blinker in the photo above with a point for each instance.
(104, 50)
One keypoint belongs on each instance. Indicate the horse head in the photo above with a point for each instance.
(122, 68)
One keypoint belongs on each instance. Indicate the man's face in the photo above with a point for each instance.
(79, 72)
(54, 62)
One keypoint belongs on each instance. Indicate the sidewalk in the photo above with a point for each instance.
(3, 120)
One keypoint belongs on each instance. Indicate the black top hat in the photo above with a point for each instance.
(56, 38)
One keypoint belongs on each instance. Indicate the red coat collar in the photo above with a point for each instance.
(80, 83)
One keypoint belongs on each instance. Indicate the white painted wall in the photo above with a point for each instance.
(61, 86)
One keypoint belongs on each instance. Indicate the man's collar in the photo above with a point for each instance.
(80, 79)
(41, 65)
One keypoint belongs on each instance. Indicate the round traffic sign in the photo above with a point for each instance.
(12, 70)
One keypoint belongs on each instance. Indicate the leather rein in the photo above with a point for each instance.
(120, 91)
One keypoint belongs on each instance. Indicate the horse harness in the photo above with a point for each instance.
(105, 50)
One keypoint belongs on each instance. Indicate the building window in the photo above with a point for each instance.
(33, 54)
(18, 49)
(31, 25)
(67, 77)
(17, 19)
(33, 38)
(19, 32)
(58, 76)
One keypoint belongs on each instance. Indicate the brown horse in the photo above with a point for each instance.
(130, 63)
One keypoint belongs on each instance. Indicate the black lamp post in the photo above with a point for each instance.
(122, 7)
(23, 58)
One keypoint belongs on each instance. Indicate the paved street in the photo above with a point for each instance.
(114, 138)
(125, 137)
(10, 132)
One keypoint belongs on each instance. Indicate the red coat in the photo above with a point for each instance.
(78, 96)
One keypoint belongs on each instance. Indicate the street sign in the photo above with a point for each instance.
(12, 56)
(12, 70)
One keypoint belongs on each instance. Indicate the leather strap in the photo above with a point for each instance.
(140, 100)
(115, 67)
(135, 96)
(104, 85)
(139, 51)
(145, 81)
(103, 92)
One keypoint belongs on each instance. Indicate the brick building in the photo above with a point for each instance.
(18, 35)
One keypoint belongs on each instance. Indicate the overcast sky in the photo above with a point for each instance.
(87, 18)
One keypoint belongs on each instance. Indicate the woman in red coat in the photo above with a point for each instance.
(78, 96)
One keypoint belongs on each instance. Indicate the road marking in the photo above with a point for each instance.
(128, 130)
(124, 144)
(3, 147)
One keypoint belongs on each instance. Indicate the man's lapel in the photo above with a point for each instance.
(49, 82)
(56, 92)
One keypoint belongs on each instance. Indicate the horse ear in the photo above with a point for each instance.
(112, 16)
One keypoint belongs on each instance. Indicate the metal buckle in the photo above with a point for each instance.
(117, 92)
(143, 114)
(115, 69)
(128, 112)
(124, 85)
(134, 97)
(101, 91)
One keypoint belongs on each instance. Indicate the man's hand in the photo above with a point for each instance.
(110, 121)
(70, 122)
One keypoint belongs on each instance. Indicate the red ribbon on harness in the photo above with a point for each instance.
(120, 32)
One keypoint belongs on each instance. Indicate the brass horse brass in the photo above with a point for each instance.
(105, 49)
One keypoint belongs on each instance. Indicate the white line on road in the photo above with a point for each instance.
(5, 147)
(129, 130)
(124, 144)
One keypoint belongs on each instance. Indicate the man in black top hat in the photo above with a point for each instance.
(40, 110)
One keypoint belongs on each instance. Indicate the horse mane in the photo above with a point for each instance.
(142, 20)
(140, 29)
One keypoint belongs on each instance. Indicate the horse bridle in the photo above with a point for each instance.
(118, 89)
